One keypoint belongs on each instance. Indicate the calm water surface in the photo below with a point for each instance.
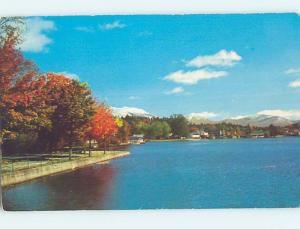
(198, 174)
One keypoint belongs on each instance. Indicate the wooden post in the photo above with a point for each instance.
(12, 166)
(71, 145)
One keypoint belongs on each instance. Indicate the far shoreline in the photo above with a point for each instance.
(210, 139)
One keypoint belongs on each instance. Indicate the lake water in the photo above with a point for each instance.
(244, 173)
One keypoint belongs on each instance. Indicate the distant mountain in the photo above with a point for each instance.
(131, 111)
(200, 118)
(256, 120)
(260, 121)
(204, 118)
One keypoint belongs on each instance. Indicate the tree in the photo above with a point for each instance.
(102, 125)
(73, 107)
(179, 125)
(11, 28)
(142, 127)
(158, 129)
(124, 132)
(19, 83)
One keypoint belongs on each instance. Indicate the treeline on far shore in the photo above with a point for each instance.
(177, 127)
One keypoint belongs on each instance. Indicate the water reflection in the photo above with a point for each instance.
(88, 188)
(205, 174)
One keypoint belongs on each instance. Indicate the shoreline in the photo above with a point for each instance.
(24, 175)
(209, 139)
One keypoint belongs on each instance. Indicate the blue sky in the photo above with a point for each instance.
(214, 66)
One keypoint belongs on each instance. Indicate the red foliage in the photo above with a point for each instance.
(102, 124)
(20, 86)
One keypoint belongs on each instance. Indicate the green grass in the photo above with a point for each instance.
(8, 166)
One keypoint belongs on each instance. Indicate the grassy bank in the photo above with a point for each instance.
(24, 170)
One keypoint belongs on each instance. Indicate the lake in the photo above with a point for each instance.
(233, 173)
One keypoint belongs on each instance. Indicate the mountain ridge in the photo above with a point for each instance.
(255, 120)
(258, 120)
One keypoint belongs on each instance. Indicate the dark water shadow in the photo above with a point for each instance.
(86, 188)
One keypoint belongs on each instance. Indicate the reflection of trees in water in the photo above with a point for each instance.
(87, 188)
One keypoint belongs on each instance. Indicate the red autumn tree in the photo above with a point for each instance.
(20, 85)
(102, 126)
(72, 107)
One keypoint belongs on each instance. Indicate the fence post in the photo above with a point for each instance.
(12, 166)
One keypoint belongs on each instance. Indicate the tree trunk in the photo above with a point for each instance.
(70, 153)
(90, 146)
(104, 146)
(1, 137)
(108, 143)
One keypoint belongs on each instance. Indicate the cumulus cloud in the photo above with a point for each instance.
(175, 90)
(221, 58)
(201, 115)
(112, 25)
(295, 83)
(192, 77)
(35, 37)
(290, 114)
(292, 71)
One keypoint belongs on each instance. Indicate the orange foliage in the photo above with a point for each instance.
(102, 124)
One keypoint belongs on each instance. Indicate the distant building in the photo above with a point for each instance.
(224, 134)
(195, 134)
(204, 134)
(137, 139)
(214, 133)
(257, 134)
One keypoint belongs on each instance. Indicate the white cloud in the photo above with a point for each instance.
(131, 111)
(295, 83)
(200, 115)
(134, 97)
(35, 39)
(292, 71)
(69, 75)
(85, 29)
(175, 90)
(222, 58)
(290, 114)
(192, 77)
(112, 25)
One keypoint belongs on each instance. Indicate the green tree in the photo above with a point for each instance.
(179, 125)
(142, 128)
(158, 129)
